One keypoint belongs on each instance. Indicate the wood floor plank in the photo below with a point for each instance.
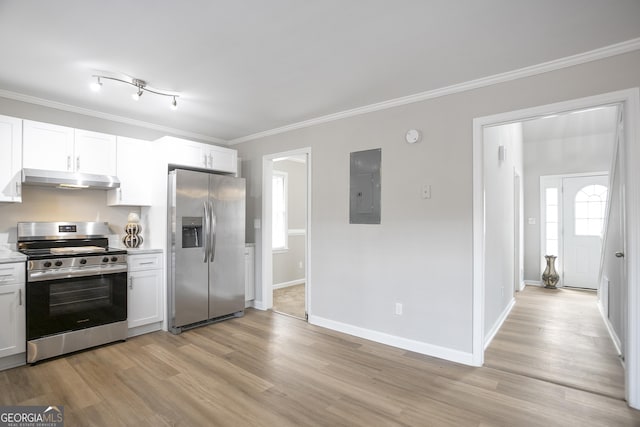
(265, 369)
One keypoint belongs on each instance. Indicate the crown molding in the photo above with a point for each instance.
(99, 114)
(569, 61)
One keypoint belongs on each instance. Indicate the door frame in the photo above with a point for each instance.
(630, 98)
(266, 247)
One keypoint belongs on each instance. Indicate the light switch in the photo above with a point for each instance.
(531, 221)
(256, 223)
(426, 191)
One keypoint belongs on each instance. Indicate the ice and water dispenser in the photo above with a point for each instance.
(192, 232)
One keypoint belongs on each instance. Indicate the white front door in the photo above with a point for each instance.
(583, 204)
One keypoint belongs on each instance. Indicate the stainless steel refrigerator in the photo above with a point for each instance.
(206, 248)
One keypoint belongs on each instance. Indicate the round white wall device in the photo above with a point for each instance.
(412, 136)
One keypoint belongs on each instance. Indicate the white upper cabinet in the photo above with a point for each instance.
(10, 159)
(134, 174)
(60, 148)
(47, 146)
(95, 153)
(182, 152)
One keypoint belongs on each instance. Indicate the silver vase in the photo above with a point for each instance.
(550, 276)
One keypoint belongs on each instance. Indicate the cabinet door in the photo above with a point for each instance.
(222, 159)
(187, 154)
(133, 167)
(10, 159)
(145, 298)
(47, 146)
(12, 320)
(95, 153)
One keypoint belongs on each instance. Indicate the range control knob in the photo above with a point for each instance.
(105, 259)
(47, 264)
(58, 263)
(83, 261)
(114, 258)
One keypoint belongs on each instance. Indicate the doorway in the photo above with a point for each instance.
(630, 100)
(572, 219)
(286, 231)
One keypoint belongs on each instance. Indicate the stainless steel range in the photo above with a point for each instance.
(76, 287)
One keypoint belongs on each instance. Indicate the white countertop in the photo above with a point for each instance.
(11, 256)
(143, 251)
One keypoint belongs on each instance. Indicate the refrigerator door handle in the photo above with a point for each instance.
(212, 245)
(206, 231)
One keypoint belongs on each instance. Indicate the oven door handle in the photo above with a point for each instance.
(63, 273)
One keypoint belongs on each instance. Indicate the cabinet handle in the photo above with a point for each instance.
(17, 189)
(147, 263)
(78, 163)
(68, 163)
(20, 297)
(131, 283)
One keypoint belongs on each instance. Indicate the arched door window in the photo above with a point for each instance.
(590, 205)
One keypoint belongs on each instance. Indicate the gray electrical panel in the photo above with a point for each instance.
(364, 191)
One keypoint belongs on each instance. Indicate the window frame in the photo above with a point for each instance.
(284, 176)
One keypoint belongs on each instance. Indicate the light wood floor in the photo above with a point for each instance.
(558, 335)
(270, 370)
(290, 300)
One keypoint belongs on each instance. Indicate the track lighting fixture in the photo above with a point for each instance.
(140, 85)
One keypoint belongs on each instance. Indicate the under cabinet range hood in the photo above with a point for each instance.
(59, 179)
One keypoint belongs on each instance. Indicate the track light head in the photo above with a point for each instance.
(97, 85)
(135, 96)
(174, 104)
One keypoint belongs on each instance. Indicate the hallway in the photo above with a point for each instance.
(558, 336)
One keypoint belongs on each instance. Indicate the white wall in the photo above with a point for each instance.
(421, 253)
(500, 219)
(558, 156)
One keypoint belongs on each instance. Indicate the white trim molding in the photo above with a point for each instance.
(630, 98)
(289, 283)
(496, 326)
(569, 61)
(395, 341)
(612, 332)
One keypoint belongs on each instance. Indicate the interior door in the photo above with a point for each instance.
(584, 201)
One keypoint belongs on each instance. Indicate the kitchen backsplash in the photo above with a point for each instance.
(54, 204)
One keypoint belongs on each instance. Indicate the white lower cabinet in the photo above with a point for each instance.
(146, 291)
(12, 313)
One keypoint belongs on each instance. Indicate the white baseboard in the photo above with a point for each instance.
(496, 326)
(612, 332)
(521, 286)
(395, 341)
(13, 361)
(145, 329)
(532, 283)
(259, 305)
(290, 283)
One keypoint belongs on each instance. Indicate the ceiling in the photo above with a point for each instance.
(248, 66)
(580, 123)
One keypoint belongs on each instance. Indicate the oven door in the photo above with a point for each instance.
(57, 305)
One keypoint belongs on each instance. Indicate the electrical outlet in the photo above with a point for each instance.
(399, 308)
(300, 264)
(426, 191)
